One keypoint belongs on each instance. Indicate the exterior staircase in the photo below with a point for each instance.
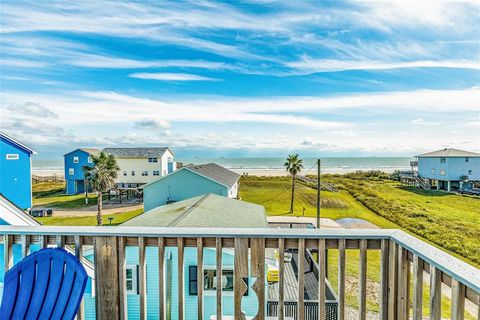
(422, 183)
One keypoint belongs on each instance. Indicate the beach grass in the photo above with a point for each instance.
(118, 218)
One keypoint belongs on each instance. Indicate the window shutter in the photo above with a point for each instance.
(192, 280)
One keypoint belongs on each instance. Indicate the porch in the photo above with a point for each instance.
(403, 257)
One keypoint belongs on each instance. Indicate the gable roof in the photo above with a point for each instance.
(215, 172)
(13, 215)
(17, 143)
(209, 210)
(137, 152)
(87, 150)
(449, 152)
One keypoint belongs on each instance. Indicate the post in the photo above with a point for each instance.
(318, 193)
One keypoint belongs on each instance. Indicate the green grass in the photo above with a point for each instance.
(52, 195)
(118, 218)
(42, 189)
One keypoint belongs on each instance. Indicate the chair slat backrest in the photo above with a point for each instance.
(48, 284)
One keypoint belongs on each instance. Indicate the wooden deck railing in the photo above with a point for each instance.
(402, 256)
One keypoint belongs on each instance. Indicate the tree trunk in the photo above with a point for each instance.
(293, 193)
(99, 208)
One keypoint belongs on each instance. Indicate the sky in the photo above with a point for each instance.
(242, 78)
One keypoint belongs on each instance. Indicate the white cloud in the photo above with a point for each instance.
(164, 76)
(422, 122)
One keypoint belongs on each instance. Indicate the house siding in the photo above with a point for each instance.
(455, 168)
(75, 183)
(15, 175)
(180, 185)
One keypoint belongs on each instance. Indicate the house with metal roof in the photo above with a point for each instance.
(448, 169)
(74, 161)
(16, 171)
(203, 211)
(191, 181)
(139, 166)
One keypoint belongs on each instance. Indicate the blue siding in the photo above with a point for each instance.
(75, 182)
(180, 185)
(15, 175)
(454, 168)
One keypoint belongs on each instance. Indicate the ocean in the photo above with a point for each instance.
(270, 164)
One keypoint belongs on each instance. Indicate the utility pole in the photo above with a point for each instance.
(318, 193)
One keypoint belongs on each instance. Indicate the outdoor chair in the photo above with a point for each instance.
(47, 284)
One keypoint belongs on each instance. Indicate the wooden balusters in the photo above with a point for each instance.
(79, 255)
(281, 279)
(122, 278)
(60, 242)
(341, 279)
(200, 278)
(240, 276)
(458, 300)
(362, 312)
(161, 277)
(417, 288)
(142, 277)
(321, 279)
(435, 293)
(257, 270)
(392, 280)
(403, 284)
(384, 246)
(301, 279)
(219, 274)
(25, 245)
(181, 295)
(7, 252)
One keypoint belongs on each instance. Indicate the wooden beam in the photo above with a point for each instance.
(417, 288)
(161, 277)
(301, 279)
(321, 279)
(219, 252)
(257, 270)
(142, 277)
(281, 279)
(362, 311)
(384, 250)
(106, 278)
(458, 300)
(341, 279)
(240, 276)
(181, 293)
(435, 293)
(200, 278)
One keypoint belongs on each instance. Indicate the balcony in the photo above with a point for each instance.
(402, 258)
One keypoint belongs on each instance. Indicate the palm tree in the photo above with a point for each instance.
(294, 165)
(101, 177)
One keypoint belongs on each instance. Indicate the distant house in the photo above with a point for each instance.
(74, 161)
(190, 181)
(139, 166)
(204, 211)
(16, 171)
(449, 169)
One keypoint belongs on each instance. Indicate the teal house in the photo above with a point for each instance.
(190, 181)
(208, 210)
(16, 171)
(74, 161)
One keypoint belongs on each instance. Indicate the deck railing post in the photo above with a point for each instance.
(458, 300)
(384, 253)
(106, 278)
(392, 280)
(435, 293)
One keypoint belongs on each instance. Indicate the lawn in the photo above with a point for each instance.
(52, 195)
(118, 218)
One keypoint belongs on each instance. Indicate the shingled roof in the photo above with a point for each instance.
(136, 152)
(215, 172)
(449, 152)
(205, 211)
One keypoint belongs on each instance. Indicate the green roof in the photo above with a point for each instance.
(205, 211)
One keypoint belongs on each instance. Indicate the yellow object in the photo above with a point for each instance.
(272, 274)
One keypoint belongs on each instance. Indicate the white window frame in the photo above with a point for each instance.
(443, 160)
(156, 172)
(125, 173)
(71, 171)
(12, 156)
(433, 172)
(133, 173)
(89, 160)
(145, 173)
(470, 172)
(443, 172)
(212, 292)
(76, 159)
(152, 159)
(134, 279)
(169, 159)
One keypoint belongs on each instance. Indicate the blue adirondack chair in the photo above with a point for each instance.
(47, 284)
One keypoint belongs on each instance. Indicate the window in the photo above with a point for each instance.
(132, 279)
(156, 173)
(443, 172)
(12, 156)
(152, 159)
(210, 280)
(133, 173)
(89, 160)
(144, 173)
(466, 159)
(71, 171)
(433, 172)
(469, 172)
(75, 159)
(124, 173)
(169, 159)
(443, 160)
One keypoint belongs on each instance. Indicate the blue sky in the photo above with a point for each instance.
(242, 78)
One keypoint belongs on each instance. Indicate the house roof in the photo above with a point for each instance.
(448, 152)
(215, 172)
(13, 215)
(17, 143)
(87, 150)
(137, 152)
(209, 210)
